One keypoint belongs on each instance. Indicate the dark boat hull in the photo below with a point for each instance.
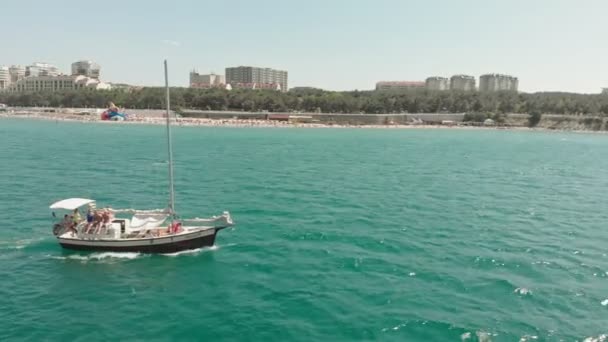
(165, 245)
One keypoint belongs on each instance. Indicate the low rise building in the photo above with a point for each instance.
(462, 82)
(390, 85)
(56, 83)
(206, 81)
(437, 83)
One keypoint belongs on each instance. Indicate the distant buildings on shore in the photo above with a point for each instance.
(462, 82)
(86, 68)
(46, 77)
(16, 72)
(246, 77)
(40, 69)
(387, 85)
(5, 77)
(487, 83)
(206, 81)
(497, 82)
(437, 83)
(256, 78)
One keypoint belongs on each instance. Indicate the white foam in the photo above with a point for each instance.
(118, 255)
(72, 257)
(97, 256)
(526, 338)
(465, 336)
(20, 244)
(412, 274)
(397, 327)
(483, 336)
(522, 291)
(26, 242)
(191, 251)
(600, 338)
(605, 302)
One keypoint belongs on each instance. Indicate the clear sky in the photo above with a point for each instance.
(333, 44)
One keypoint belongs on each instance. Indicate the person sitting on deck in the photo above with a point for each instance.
(76, 218)
(67, 222)
(96, 224)
(90, 217)
(174, 227)
(105, 216)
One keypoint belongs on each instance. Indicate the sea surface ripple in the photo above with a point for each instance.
(341, 235)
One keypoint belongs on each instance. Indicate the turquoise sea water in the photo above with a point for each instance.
(341, 235)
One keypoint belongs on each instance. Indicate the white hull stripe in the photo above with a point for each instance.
(137, 242)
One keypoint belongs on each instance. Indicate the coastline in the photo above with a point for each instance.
(255, 123)
(236, 123)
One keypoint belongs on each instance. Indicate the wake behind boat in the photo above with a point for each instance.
(131, 230)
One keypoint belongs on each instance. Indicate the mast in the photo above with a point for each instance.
(169, 147)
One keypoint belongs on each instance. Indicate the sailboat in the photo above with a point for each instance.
(132, 230)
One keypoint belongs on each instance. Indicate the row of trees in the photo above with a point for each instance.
(315, 100)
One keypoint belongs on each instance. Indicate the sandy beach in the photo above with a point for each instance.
(204, 122)
(256, 123)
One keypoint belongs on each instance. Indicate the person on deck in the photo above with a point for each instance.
(76, 217)
(66, 223)
(90, 217)
(96, 224)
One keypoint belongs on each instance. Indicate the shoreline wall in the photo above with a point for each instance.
(548, 121)
(337, 119)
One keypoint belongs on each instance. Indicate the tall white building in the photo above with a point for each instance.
(462, 82)
(497, 82)
(5, 78)
(256, 78)
(437, 83)
(86, 68)
(41, 69)
(17, 72)
(206, 81)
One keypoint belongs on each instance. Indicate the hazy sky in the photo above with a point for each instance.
(332, 44)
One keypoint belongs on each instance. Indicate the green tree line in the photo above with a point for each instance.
(316, 100)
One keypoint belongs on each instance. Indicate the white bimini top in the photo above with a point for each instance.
(71, 203)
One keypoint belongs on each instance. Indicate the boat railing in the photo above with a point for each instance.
(85, 231)
(137, 211)
(223, 220)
